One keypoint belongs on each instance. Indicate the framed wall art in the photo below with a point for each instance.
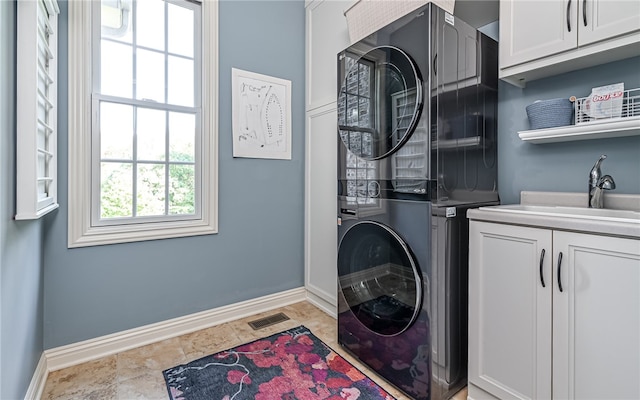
(261, 111)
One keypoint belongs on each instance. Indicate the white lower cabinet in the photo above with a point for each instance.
(509, 311)
(552, 314)
(321, 199)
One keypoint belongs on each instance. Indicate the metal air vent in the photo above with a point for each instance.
(268, 321)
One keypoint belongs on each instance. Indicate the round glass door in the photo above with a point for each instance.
(379, 278)
(380, 101)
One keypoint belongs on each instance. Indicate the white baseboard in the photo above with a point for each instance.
(322, 303)
(93, 349)
(38, 380)
(475, 393)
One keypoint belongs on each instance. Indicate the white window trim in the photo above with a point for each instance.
(80, 232)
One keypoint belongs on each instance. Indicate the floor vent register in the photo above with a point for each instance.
(268, 321)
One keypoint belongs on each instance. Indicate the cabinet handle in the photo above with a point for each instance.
(584, 12)
(541, 275)
(435, 65)
(559, 273)
(569, 15)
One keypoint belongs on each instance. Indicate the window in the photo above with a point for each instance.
(142, 120)
(37, 75)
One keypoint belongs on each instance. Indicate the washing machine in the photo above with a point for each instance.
(417, 105)
(384, 279)
(402, 298)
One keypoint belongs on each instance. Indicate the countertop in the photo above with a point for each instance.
(622, 227)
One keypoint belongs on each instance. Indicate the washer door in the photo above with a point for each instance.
(379, 278)
(379, 102)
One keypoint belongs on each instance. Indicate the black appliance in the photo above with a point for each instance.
(417, 105)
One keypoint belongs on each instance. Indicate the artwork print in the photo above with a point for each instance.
(261, 116)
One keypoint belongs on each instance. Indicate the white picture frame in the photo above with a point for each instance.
(261, 108)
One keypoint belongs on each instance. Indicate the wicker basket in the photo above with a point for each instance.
(550, 113)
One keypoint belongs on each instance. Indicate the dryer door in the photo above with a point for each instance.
(379, 278)
(379, 102)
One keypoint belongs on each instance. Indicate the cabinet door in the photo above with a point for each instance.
(327, 34)
(533, 29)
(321, 231)
(604, 19)
(510, 310)
(596, 317)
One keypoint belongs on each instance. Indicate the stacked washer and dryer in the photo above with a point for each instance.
(417, 112)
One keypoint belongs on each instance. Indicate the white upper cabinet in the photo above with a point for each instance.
(327, 34)
(544, 38)
(603, 19)
(535, 29)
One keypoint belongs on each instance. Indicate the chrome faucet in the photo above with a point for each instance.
(599, 183)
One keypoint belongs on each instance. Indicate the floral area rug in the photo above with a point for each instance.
(291, 365)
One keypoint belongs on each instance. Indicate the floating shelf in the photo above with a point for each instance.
(602, 129)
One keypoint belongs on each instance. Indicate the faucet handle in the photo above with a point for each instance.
(594, 174)
(607, 183)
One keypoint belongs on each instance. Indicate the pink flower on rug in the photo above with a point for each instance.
(319, 375)
(350, 394)
(337, 383)
(339, 364)
(276, 388)
(262, 353)
(298, 348)
(309, 358)
(236, 376)
(287, 388)
(304, 339)
(314, 365)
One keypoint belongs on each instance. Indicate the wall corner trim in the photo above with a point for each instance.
(38, 380)
(322, 303)
(77, 353)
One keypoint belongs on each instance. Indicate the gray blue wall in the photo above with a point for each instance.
(90, 292)
(259, 250)
(21, 274)
(564, 166)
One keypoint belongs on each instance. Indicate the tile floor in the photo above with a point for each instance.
(137, 373)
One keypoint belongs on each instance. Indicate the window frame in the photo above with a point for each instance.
(81, 231)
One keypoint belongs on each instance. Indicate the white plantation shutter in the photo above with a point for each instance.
(37, 38)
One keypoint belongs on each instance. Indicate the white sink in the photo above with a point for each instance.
(600, 214)
(568, 211)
